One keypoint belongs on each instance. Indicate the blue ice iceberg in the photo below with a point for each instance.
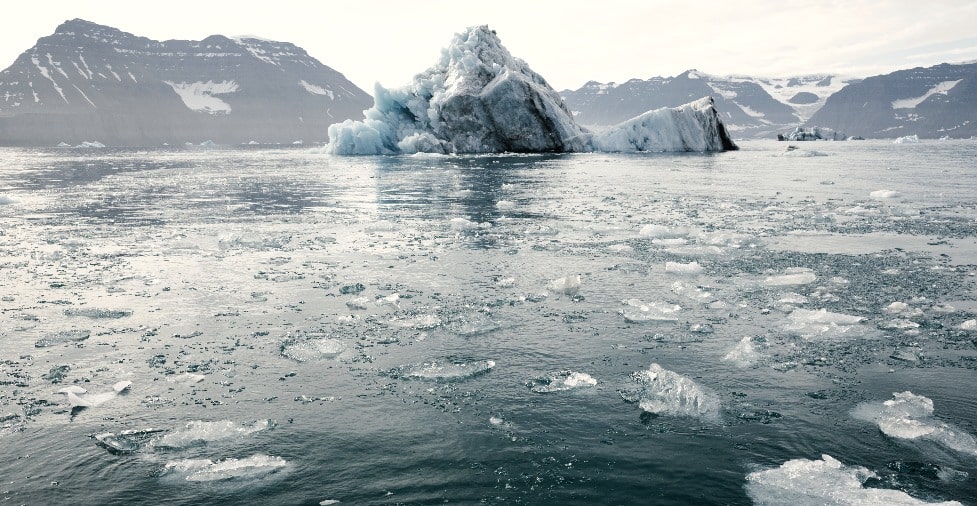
(478, 98)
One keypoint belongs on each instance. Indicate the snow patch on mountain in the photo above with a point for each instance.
(200, 97)
(940, 89)
(317, 90)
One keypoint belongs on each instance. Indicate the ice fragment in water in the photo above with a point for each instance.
(663, 392)
(205, 470)
(444, 370)
(744, 354)
(569, 285)
(793, 276)
(691, 268)
(968, 325)
(359, 303)
(803, 482)
(636, 311)
(884, 194)
(313, 349)
(127, 441)
(99, 313)
(65, 336)
(202, 432)
(824, 325)
(910, 416)
(662, 232)
(561, 381)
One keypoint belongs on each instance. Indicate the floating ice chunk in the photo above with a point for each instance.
(792, 298)
(463, 224)
(205, 470)
(654, 231)
(392, 300)
(691, 268)
(359, 303)
(65, 336)
(907, 139)
(910, 416)
(561, 381)
(96, 313)
(637, 311)
(313, 349)
(419, 322)
(663, 392)
(791, 277)
(474, 324)
(968, 325)
(803, 482)
(188, 378)
(127, 441)
(73, 389)
(202, 432)
(744, 354)
(693, 293)
(620, 248)
(901, 308)
(568, 285)
(823, 324)
(444, 370)
(505, 205)
(121, 386)
(329, 502)
(5, 200)
(884, 194)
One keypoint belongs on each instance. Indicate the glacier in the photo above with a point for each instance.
(478, 98)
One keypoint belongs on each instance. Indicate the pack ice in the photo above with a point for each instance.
(478, 98)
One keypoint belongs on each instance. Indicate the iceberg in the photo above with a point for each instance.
(662, 392)
(909, 416)
(478, 98)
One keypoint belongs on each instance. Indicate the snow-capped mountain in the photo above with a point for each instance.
(749, 106)
(929, 102)
(88, 82)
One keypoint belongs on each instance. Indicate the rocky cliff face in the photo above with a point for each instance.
(88, 82)
(928, 102)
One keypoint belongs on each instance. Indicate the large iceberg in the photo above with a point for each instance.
(478, 98)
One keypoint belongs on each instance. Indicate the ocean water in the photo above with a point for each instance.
(279, 326)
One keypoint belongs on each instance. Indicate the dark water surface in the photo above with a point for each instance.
(279, 326)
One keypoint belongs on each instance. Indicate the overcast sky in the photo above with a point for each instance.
(569, 42)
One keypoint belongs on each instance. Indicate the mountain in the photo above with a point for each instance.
(750, 106)
(88, 82)
(478, 98)
(928, 102)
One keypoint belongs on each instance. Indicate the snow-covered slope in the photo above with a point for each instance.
(478, 98)
(97, 83)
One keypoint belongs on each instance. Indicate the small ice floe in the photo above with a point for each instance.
(745, 353)
(95, 313)
(654, 231)
(568, 285)
(473, 324)
(187, 378)
(910, 416)
(78, 397)
(561, 381)
(505, 205)
(968, 325)
(803, 482)
(465, 225)
(663, 392)
(128, 441)
(884, 194)
(689, 269)
(444, 370)
(255, 467)
(692, 293)
(62, 337)
(419, 322)
(358, 303)
(907, 139)
(791, 277)
(637, 311)
(620, 248)
(201, 432)
(903, 309)
(392, 301)
(796, 152)
(824, 325)
(329, 502)
(309, 350)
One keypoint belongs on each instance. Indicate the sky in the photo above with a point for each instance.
(568, 42)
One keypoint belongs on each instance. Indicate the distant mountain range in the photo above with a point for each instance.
(88, 82)
(929, 102)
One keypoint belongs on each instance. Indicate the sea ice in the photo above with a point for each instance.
(202, 432)
(568, 285)
(561, 381)
(968, 325)
(205, 470)
(910, 416)
(791, 277)
(744, 354)
(444, 370)
(691, 268)
(637, 311)
(62, 337)
(884, 194)
(823, 324)
(663, 392)
(313, 349)
(478, 98)
(655, 231)
(908, 139)
(803, 482)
